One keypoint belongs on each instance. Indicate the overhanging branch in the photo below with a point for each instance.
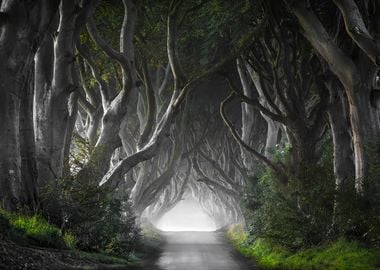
(277, 170)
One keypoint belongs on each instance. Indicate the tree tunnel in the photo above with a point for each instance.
(172, 112)
(187, 215)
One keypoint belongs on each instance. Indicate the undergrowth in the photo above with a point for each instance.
(310, 223)
(100, 220)
(36, 232)
(33, 230)
(338, 255)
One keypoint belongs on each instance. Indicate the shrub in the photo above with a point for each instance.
(277, 216)
(323, 227)
(150, 241)
(298, 215)
(99, 219)
(70, 240)
(96, 219)
(359, 216)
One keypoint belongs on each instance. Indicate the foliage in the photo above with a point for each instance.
(295, 216)
(358, 217)
(313, 212)
(151, 240)
(97, 218)
(372, 233)
(341, 254)
(70, 240)
(211, 28)
(310, 224)
(33, 230)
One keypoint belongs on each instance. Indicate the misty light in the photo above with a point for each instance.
(187, 215)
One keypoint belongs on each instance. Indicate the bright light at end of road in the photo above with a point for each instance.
(187, 215)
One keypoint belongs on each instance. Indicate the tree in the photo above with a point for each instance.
(23, 27)
(358, 84)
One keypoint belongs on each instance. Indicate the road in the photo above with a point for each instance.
(199, 251)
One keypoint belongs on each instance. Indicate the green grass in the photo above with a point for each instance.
(339, 255)
(36, 231)
(33, 230)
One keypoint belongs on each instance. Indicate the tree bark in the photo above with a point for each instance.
(22, 31)
(29, 173)
(362, 115)
(273, 127)
(344, 168)
(252, 122)
(43, 62)
(53, 90)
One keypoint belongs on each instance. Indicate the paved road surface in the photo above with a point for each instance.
(199, 251)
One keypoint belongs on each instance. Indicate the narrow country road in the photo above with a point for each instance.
(199, 251)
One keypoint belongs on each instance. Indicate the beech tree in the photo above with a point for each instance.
(23, 27)
(130, 78)
(358, 84)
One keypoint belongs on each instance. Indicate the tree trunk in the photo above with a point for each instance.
(43, 61)
(273, 127)
(62, 84)
(73, 111)
(21, 33)
(52, 96)
(272, 136)
(252, 122)
(344, 168)
(29, 174)
(364, 132)
(363, 117)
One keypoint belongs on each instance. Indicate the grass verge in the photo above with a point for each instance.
(38, 243)
(33, 231)
(339, 255)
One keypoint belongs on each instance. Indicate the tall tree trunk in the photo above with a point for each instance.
(29, 174)
(272, 136)
(73, 111)
(43, 62)
(62, 84)
(363, 116)
(22, 30)
(344, 168)
(252, 122)
(362, 133)
(273, 127)
(53, 90)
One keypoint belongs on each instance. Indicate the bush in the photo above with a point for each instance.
(70, 240)
(270, 213)
(298, 215)
(150, 241)
(359, 216)
(99, 219)
(322, 227)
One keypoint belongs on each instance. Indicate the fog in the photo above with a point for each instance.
(187, 215)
